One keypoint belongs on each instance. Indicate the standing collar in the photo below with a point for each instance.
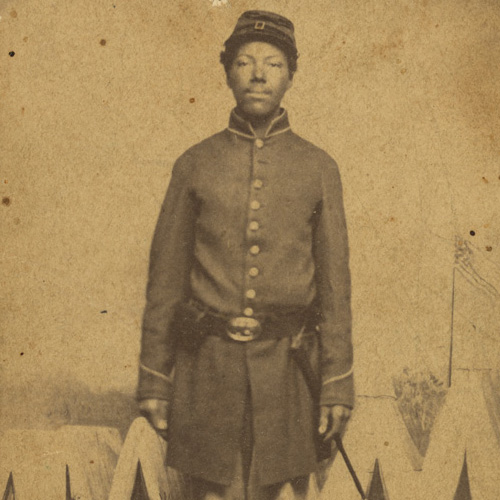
(240, 126)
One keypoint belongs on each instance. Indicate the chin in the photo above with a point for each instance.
(257, 111)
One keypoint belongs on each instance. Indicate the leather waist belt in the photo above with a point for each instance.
(194, 321)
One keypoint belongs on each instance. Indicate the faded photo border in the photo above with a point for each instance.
(99, 98)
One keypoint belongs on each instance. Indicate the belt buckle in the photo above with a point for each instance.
(243, 329)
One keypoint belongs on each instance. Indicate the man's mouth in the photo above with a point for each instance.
(258, 93)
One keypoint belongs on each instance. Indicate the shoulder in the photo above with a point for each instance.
(315, 155)
(199, 153)
(204, 147)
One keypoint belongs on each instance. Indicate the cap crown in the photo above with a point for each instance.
(265, 26)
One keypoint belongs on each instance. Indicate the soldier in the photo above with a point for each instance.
(248, 267)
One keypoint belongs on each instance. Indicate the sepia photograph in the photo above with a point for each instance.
(250, 250)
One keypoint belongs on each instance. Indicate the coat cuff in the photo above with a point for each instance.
(153, 384)
(338, 390)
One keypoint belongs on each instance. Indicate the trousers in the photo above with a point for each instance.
(239, 489)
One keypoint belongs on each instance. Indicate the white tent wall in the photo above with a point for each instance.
(464, 425)
(376, 431)
(491, 387)
(92, 453)
(144, 445)
(36, 462)
(38, 459)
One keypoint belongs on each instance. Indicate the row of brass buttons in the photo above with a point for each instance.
(254, 226)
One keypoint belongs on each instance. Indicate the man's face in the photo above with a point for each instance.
(259, 79)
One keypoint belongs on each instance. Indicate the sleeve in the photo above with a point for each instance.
(168, 283)
(333, 282)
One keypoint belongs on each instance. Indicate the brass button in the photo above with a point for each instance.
(248, 311)
(259, 143)
(255, 205)
(257, 183)
(250, 294)
(253, 226)
(254, 250)
(253, 272)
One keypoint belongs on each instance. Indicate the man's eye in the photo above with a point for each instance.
(241, 63)
(276, 65)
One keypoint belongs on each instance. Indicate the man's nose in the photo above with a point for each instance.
(259, 72)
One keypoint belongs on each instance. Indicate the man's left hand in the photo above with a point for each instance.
(333, 420)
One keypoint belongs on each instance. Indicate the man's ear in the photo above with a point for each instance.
(289, 83)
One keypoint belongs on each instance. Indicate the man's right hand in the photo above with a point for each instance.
(156, 412)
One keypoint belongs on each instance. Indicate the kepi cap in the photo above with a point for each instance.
(261, 25)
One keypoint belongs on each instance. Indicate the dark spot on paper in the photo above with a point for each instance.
(22, 110)
(25, 39)
(386, 443)
(21, 354)
(403, 71)
(437, 26)
(191, 100)
(473, 233)
(12, 53)
(104, 312)
(103, 42)
(13, 13)
(5, 181)
(91, 462)
(489, 249)
(6, 201)
(485, 180)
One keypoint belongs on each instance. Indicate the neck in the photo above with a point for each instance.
(260, 124)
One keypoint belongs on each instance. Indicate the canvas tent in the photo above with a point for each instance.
(466, 427)
(376, 433)
(141, 470)
(463, 488)
(142, 445)
(476, 311)
(463, 458)
(37, 460)
(10, 491)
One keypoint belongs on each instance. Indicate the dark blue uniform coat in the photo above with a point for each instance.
(248, 226)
